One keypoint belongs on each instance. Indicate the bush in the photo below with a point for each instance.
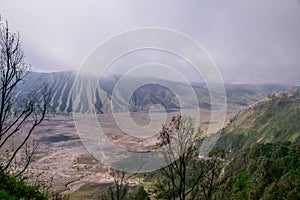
(14, 188)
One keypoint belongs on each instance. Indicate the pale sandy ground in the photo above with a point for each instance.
(63, 160)
(62, 157)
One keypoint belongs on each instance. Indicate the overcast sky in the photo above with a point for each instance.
(251, 41)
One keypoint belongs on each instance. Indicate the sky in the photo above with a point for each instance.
(251, 41)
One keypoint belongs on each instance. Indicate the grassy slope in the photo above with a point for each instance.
(265, 140)
(275, 119)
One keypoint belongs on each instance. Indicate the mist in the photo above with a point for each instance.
(250, 41)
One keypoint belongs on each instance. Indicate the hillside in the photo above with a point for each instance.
(61, 83)
(263, 158)
(264, 147)
(264, 171)
(274, 119)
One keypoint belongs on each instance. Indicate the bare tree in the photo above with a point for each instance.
(119, 188)
(208, 185)
(188, 174)
(17, 119)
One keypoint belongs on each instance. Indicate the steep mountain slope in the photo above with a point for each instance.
(264, 148)
(61, 85)
(152, 94)
(86, 100)
(263, 171)
(275, 119)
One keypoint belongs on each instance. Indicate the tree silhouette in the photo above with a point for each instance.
(17, 119)
(188, 176)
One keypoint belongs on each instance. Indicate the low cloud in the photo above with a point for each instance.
(250, 41)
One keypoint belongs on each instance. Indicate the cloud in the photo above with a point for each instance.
(251, 41)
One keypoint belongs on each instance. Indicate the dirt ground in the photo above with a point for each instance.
(65, 163)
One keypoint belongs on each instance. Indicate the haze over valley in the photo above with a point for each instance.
(146, 100)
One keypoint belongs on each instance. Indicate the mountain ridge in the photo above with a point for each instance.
(273, 119)
(89, 101)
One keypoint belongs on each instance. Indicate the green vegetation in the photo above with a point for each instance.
(188, 176)
(262, 161)
(276, 119)
(90, 191)
(264, 171)
(263, 142)
(264, 146)
(141, 194)
(14, 188)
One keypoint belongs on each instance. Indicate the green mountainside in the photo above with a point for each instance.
(262, 154)
(264, 171)
(274, 119)
(264, 150)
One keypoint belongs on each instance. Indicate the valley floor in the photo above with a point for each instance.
(62, 159)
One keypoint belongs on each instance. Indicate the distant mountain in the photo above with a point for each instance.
(98, 100)
(274, 119)
(60, 83)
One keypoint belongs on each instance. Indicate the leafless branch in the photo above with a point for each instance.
(13, 117)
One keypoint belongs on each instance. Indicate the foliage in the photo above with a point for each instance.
(15, 188)
(189, 176)
(264, 171)
(275, 119)
(141, 194)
